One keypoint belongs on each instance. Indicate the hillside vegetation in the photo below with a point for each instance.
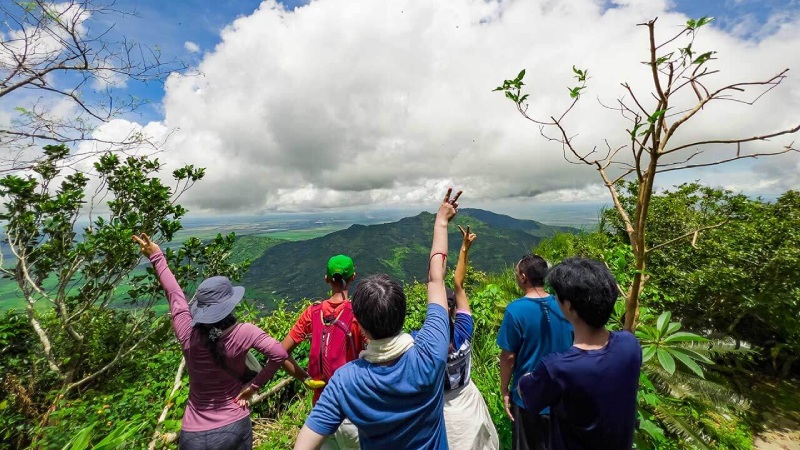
(733, 290)
(294, 270)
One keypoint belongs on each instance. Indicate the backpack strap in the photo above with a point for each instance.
(317, 329)
(344, 322)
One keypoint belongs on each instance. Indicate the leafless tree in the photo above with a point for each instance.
(651, 149)
(61, 73)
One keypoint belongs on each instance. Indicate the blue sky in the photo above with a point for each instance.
(169, 24)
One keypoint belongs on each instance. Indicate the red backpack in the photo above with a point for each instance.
(331, 341)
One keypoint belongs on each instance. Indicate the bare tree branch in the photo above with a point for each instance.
(46, 41)
(786, 149)
(693, 233)
(119, 357)
(734, 141)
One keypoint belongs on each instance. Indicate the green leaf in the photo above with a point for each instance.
(580, 74)
(693, 354)
(635, 130)
(666, 360)
(81, 440)
(673, 327)
(648, 351)
(520, 76)
(663, 323)
(703, 58)
(684, 336)
(649, 427)
(576, 91)
(645, 332)
(656, 115)
(688, 362)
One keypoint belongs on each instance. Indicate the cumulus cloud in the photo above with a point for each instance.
(191, 47)
(356, 102)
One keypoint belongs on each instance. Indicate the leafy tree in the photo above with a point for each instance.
(57, 51)
(653, 139)
(75, 264)
(741, 279)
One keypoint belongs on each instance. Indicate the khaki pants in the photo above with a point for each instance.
(467, 420)
(345, 438)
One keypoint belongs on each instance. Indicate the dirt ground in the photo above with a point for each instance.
(782, 434)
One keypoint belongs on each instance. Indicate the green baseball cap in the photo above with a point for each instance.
(341, 264)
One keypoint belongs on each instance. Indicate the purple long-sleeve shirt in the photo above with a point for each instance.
(212, 390)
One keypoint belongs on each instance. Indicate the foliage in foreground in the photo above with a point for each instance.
(89, 314)
(683, 400)
(136, 394)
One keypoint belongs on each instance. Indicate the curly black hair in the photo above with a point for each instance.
(588, 286)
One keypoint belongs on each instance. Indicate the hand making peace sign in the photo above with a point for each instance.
(449, 207)
(468, 238)
(147, 246)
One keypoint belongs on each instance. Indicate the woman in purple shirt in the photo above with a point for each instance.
(215, 347)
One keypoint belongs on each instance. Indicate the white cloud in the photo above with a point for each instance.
(191, 47)
(356, 102)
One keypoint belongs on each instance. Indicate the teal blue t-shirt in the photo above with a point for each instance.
(397, 406)
(532, 328)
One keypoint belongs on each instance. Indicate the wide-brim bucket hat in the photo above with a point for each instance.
(216, 297)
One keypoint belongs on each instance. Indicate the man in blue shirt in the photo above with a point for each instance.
(393, 394)
(533, 326)
(591, 387)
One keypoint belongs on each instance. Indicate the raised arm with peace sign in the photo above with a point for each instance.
(147, 246)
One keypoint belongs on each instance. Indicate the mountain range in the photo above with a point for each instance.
(296, 270)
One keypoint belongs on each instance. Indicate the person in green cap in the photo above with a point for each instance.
(336, 339)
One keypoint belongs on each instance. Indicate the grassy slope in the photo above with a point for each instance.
(252, 247)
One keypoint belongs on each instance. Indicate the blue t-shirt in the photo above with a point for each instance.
(396, 406)
(531, 329)
(459, 359)
(591, 394)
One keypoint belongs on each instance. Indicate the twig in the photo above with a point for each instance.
(693, 233)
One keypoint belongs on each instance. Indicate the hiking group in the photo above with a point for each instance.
(566, 382)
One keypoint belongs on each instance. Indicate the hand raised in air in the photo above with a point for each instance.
(448, 208)
(147, 246)
(467, 236)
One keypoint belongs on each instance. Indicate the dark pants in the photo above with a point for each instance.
(529, 431)
(235, 436)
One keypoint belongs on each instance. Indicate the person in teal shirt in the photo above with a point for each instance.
(533, 326)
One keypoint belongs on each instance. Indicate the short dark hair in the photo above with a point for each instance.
(589, 287)
(379, 305)
(534, 267)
